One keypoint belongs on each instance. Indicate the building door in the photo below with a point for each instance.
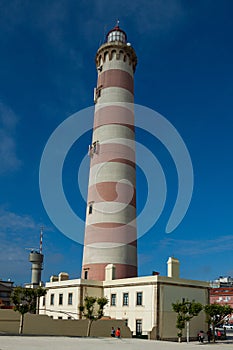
(138, 328)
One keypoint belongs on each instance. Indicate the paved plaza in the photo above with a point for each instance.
(67, 343)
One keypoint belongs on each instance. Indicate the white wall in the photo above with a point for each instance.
(170, 291)
(173, 293)
(65, 311)
(79, 289)
(132, 312)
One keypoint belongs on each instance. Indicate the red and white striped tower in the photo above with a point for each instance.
(111, 233)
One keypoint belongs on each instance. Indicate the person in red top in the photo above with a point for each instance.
(118, 333)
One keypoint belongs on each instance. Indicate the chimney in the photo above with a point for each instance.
(63, 276)
(53, 278)
(110, 272)
(173, 268)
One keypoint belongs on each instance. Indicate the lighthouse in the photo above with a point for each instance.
(110, 242)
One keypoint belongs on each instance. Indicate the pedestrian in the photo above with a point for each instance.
(209, 335)
(219, 334)
(118, 333)
(201, 336)
(113, 332)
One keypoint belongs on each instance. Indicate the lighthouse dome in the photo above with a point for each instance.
(116, 34)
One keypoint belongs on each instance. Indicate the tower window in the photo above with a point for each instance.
(93, 148)
(97, 92)
(90, 210)
(85, 274)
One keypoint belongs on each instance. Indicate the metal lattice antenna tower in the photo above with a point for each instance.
(41, 238)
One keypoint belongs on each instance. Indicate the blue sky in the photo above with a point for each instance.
(184, 72)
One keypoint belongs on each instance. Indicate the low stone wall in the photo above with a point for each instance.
(44, 325)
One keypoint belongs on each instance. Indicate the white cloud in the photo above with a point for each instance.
(8, 119)
(197, 247)
(13, 222)
(8, 156)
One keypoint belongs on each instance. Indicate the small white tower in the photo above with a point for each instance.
(36, 258)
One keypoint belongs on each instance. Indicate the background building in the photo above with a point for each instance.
(222, 296)
(6, 287)
(222, 282)
(222, 292)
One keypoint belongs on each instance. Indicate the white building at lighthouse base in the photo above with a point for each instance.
(145, 303)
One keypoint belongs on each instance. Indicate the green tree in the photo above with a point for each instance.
(25, 300)
(215, 315)
(91, 311)
(185, 310)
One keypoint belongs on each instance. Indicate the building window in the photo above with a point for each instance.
(126, 322)
(139, 298)
(59, 317)
(52, 299)
(125, 299)
(43, 302)
(69, 318)
(138, 327)
(60, 299)
(70, 298)
(113, 299)
(85, 274)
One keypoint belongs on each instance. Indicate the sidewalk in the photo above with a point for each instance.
(66, 343)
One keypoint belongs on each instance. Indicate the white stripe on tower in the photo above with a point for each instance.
(111, 233)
